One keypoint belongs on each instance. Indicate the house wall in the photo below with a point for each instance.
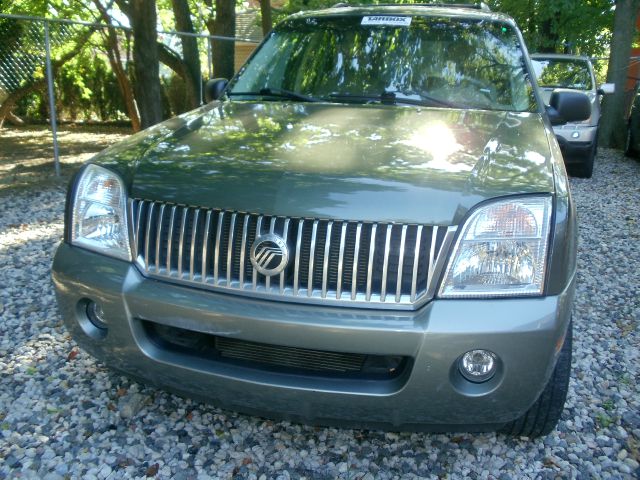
(242, 52)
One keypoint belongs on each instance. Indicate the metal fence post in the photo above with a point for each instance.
(200, 86)
(209, 58)
(52, 102)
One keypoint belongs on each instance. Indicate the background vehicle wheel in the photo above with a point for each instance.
(629, 151)
(544, 414)
(585, 169)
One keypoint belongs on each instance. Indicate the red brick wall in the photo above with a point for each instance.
(633, 75)
(634, 63)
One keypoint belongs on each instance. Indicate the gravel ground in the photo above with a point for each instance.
(64, 415)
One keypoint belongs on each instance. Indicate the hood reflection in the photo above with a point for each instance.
(326, 159)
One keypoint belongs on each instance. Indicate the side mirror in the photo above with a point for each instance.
(607, 88)
(568, 106)
(213, 89)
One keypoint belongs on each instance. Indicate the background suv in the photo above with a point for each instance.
(578, 140)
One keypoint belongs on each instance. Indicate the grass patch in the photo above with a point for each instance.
(603, 420)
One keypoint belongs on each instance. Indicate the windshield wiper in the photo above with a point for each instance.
(392, 98)
(563, 86)
(425, 100)
(356, 98)
(278, 92)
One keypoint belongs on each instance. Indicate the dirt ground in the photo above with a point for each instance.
(26, 153)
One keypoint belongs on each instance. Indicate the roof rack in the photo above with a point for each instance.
(476, 5)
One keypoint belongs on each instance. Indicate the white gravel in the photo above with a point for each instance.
(65, 415)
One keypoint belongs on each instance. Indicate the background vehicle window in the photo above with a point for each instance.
(563, 73)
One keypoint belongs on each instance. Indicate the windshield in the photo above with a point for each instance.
(435, 61)
(563, 73)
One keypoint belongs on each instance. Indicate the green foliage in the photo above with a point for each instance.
(36, 8)
(32, 106)
(70, 9)
(176, 94)
(571, 26)
(564, 26)
(86, 89)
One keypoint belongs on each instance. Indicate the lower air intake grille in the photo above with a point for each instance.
(275, 357)
(289, 356)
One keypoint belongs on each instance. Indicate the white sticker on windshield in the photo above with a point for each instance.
(387, 20)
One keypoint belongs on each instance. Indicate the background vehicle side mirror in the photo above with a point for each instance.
(213, 89)
(607, 88)
(568, 106)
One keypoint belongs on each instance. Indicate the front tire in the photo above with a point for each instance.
(585, 169)
(544, 414)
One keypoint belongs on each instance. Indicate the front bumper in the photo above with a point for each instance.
(431, 394)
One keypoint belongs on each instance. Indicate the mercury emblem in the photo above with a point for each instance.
(269, 254)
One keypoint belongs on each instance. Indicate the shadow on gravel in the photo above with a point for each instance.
(26, 153)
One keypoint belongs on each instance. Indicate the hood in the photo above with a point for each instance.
(350, 162)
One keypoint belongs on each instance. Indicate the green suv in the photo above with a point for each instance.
(369, 225)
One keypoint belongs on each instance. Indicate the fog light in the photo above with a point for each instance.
(575, 135)
(478, 365)
(96, 315)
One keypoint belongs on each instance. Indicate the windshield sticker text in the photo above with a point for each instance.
(387, 20)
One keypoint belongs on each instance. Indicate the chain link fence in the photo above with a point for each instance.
(59, 71)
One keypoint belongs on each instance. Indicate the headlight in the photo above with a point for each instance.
(501, 250)
(99, 216)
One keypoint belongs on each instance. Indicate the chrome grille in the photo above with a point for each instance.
(359, 263)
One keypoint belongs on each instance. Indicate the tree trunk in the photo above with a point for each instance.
(265, 14)
(169, 57)
(113, 53)
(613, 122)
(145, 61)
(532, 26)
(172, 60)
(223, 51)
(123, 81)
(190, 53)
(548, 17)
